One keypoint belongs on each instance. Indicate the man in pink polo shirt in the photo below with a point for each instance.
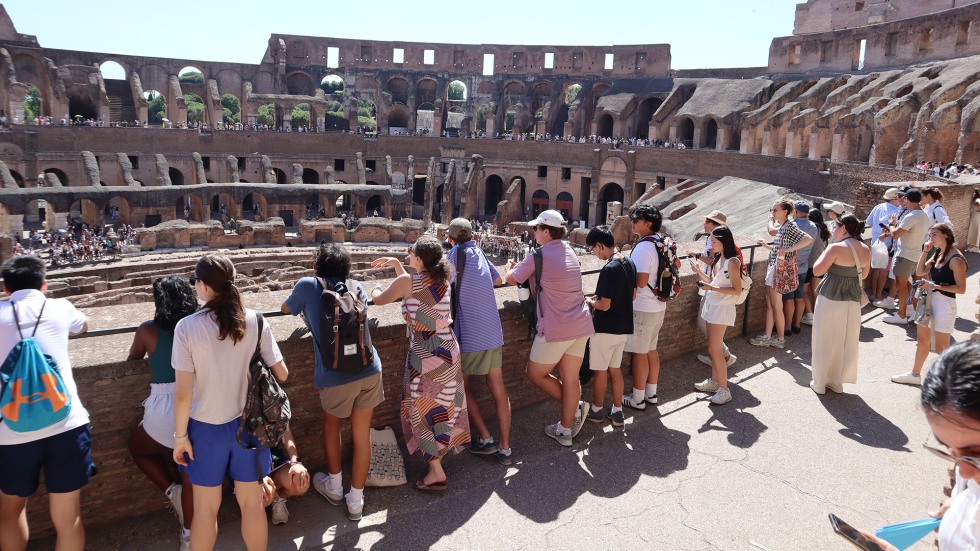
(564, 327)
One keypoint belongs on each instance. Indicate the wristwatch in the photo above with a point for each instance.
(295, 460)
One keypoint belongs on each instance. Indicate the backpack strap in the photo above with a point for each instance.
(538, 270)
(36, 323)
(457, 286)
(336, 317)
(361, 320)
(260, 322)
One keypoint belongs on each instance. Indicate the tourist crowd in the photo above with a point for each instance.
(78, 243)
(200, 358)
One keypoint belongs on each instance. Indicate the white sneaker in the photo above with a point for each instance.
(896, 319)
(777, 343)
(907, 378)
(354, 510)
(280, 514)
(723, 396)
(706, 359)
(708, 385)
(761, 340)
(320, 484)
(887, 303)
(628, 402)
(173, 494)
(807, 319)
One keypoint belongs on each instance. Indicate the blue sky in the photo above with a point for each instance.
(702, 33)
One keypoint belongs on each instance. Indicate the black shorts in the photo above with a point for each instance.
(66, 459)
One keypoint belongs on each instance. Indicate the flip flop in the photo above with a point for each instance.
(434, 487)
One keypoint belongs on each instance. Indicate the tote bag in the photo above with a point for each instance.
(785, 280)
(387, 465)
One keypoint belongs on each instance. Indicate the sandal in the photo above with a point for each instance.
(434, 487)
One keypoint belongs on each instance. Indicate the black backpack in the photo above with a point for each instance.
(345, 340)
(266, 414)
(531, 306)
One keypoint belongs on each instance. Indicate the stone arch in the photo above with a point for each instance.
(176, 176)
(190, 207)
(82, 105)
(604, 126)
(450, 96)
(540, 94)
(426, 91)
(222, 207)
(685, 131)
(709, 136)
(40, 214)
(493, 194)
(398, 118)
(153, 96)
(311, 176)
(644, 114)
(111, 69)
(229, 82)
(281, 177)
(540, 201)
(254, 207)
(375, 203)
(399, 90)
(486, 87)
(300, 83)
(609, 193)
(62, 177)
(344, 203)
(264, 82)
(84, 211)
(366, 84)
(515, 90)
(182, 75)
(31, 68)
(332, 84)
(117, 211)
(565, 204)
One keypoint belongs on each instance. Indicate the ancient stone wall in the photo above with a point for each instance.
(818, 16)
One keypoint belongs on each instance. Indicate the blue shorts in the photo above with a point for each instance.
(66, 459)
(798, 293)
(217, 453)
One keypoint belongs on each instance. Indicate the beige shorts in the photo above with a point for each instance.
(365, 393)
(646, 331)
(549, 353)
(903, 267)
(480, 363)
(605, 351)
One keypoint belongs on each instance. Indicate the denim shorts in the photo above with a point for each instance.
(217, 453)
(66, 459)
(798, 293)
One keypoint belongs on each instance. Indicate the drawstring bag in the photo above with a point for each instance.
(387, 464)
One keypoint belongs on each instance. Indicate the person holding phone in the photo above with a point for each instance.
(951, 401)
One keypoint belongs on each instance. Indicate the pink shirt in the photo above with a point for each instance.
(566, 316)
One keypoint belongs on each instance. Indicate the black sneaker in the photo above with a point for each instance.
(505, 457)
(796, 329)
(596, 416)
(617, 417)
(483, 447)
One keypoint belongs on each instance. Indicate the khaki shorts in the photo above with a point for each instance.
(549, 353)
(365, 393)
(646, 331)
(903, 267)
(606, 351)
(480, 363)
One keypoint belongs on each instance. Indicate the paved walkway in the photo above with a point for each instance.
(759, 473)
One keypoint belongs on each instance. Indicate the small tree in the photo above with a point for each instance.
(195, 108)
(192, 77)
(457, 91)
(266, 115)
(32, 103)
(232, 109)
(156, 110)
(301, 115)
(572, 93)
(332, 85)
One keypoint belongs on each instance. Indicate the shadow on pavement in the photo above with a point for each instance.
(862, 423)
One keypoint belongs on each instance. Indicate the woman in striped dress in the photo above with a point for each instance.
(433, 407)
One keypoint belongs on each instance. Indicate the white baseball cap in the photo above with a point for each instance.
(550, 218)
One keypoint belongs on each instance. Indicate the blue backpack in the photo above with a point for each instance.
(33, 395)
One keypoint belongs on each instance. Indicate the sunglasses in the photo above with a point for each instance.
(950, 456)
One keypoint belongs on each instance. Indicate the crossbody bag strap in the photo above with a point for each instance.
(857, 262)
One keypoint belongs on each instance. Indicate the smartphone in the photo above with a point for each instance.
(851, 534)
(884, 227)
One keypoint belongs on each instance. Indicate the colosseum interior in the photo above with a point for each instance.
(407, 135)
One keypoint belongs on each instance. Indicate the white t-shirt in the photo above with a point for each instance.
(960, 528)
(646, 259)
(220, 367)
(880, 215)
(916, 222)
(58, 320)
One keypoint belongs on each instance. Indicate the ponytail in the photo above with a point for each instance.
(226, 308)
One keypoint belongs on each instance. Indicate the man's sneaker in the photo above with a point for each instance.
(706, 359)
(617, 417)
(354, 510)
(280, 514)
(896, 319)
(506, 457)
(723, 396)
(887, 303)
(807, 319)
(483, 447)
(761, 340)
(596, 416)
(628, 402)
(580, 415)
(708, 385)
(776, 342)
(173, 494)
(320, 484)
(554, 431)
(652, 399)
(907, 378)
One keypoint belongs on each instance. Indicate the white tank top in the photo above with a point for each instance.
(960, 529)
(721, 280)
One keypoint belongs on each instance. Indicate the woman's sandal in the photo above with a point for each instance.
(434, 487)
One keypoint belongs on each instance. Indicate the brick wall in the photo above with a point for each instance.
(113, 391)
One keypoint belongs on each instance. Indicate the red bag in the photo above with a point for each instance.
(786, 279)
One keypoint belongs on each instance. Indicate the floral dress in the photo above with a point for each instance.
(433, 406)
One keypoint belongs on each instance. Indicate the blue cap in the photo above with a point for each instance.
(802, 206)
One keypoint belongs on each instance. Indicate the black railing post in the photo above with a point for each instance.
(748, 299)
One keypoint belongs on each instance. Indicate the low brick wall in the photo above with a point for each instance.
(113, 391)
